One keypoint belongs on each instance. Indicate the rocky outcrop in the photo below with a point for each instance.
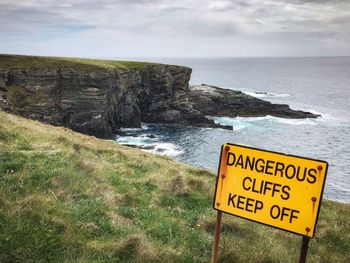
(100, 102)
(214, 101)
(100, 97)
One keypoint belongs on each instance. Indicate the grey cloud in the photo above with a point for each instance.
(341, 20)
(225, 6)
(184, 22)
(319, 2)
(210, 28)
(28, 15)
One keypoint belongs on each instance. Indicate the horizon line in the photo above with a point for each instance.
(173, 57)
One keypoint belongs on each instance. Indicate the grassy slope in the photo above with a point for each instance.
(68, 197)
(18, 62)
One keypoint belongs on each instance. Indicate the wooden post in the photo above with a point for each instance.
(214, 258)
(304, 248)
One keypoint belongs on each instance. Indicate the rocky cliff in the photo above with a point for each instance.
(214, 101)
(98, 97)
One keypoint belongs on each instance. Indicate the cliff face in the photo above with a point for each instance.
(99, 102)
(98, 97)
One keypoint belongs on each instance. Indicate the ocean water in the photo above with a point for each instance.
(319, 85)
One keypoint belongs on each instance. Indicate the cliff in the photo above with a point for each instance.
(96, 97)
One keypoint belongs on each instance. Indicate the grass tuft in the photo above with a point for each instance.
(135, 249)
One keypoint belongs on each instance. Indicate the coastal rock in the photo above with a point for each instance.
(101, 101)
(215, 101)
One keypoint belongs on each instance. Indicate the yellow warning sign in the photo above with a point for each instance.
(275, 189)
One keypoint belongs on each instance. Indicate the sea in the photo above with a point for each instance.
(319, 84)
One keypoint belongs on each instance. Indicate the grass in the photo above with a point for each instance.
(20, 62)
(68, 197)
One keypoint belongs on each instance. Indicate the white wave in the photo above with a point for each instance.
(144, 126)
(143, 139)
(240, 123)
(149, 144)
(131, 129)
(167, 149)
(296, 121)
(315, 112)
(258, 94)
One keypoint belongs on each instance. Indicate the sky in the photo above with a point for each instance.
(175, 28)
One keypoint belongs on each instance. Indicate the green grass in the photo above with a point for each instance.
(20, 62)
(68, 197)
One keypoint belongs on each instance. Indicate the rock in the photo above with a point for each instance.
(170, 115)
(100, 100)
(214, 101)
(142, 147)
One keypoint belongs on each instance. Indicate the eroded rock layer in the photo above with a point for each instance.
(98, 97)
(99, 103)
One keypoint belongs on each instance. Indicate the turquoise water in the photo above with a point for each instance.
(320, 85)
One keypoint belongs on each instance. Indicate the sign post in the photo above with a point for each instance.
(275, 189)
(303, 250)
(217, 237)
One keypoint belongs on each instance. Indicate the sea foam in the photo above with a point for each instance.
(240, 123)
(258, 94)
(151, 144)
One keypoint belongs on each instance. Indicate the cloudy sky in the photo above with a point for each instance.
(175, 28)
